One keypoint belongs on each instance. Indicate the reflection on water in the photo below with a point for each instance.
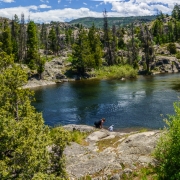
(176, 86)
(126, 104)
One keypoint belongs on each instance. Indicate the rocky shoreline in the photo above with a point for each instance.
(54, 70)
(109, 155)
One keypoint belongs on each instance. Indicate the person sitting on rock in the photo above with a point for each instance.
(110, 128)
(98, 124)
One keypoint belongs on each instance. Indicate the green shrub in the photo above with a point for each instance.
(178, 55)
(171, 48)
(69, 59)
(144, 66)
(78, 137)
(168, 148)
(116, 72)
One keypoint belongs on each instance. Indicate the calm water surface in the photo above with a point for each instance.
(126, 104)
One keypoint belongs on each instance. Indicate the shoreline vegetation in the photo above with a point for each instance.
(120, 72)
(116, 72)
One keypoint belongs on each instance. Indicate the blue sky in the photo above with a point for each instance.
(66, 10)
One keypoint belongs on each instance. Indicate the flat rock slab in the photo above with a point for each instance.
(37, 83)
(80, 161)
(81, 128)
(132, 148)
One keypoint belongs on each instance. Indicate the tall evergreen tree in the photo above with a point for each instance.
(43, 35)
(25, 140)
(15, 29)
(68, 36)
(6, 38)
(32, 45)
(120, 35)
(82, 57)
(176, 12)
(132, 46)
(58, 43)
(52, 40)
(114, 44)
(95, 45)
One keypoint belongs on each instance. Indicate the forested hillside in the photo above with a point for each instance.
(118, 21)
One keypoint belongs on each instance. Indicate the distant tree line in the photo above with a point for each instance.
(24, 40)
(91, 47)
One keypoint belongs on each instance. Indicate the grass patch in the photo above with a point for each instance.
(103, 144)
(143, 130)
(78, 137)
(142, 173)
(116, 72)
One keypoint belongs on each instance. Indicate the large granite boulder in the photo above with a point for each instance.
(53, 69)
(122, 156)
(166, 64)
(137, 148)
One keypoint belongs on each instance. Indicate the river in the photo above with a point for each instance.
(140, 103)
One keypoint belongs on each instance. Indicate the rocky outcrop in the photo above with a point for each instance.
(110, 154)
(52, 74)
(161, 50)
(53, 70)
(33, 83)
(166, 64)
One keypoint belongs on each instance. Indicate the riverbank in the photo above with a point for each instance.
(110, 155)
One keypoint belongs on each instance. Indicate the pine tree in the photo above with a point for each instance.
(114, 44)
(95, 45)
(120, 35)
(176, 12)
(32, 45)
(15, 28)
(68, 36)
(58, 43)
(43, 36)
(52, 40)
(25, 140)
(6, 39)
(82, 57)
(132, 46)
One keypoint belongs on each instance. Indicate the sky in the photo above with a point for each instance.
(67, 10)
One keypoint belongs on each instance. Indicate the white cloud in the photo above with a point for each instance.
(119, 9)
(140, 7)
(44, 1)
(7, 1)
(49, 15)
(44, 6)
(59, 1)
(85, 3)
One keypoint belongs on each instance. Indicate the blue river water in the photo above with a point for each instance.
(140, 103)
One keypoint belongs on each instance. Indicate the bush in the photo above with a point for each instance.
(28, 148)
(78, 137)
(178, 55)
(171, 48)
(116, 72)
(168, 148)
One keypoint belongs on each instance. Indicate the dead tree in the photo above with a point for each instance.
(147, 45)
(107, 41)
